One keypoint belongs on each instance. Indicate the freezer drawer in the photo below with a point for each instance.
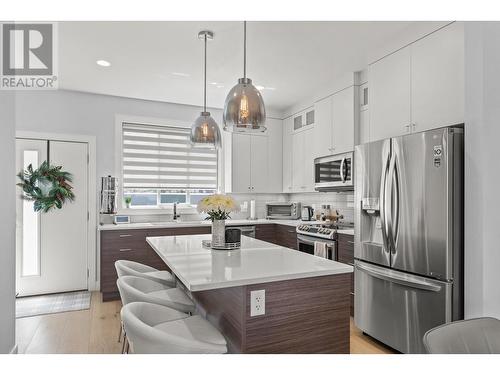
(398, 308)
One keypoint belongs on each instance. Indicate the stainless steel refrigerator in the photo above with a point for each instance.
(408, 272)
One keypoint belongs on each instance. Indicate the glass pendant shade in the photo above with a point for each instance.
(244, 109)
(205, 132)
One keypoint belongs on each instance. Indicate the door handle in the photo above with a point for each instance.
(342, 164)
(401, 280)
(394, 201)
(383, 208)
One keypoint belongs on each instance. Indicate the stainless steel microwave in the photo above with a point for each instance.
(334, 172)
(283, 210)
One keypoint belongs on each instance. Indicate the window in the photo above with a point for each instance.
(161, 167)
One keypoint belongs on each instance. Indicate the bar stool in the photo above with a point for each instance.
(472, 336)
(158, 329)
(138, 289)
(131, 268)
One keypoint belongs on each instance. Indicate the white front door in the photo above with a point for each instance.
(52, 247)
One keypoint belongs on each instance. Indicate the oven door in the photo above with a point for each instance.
(334, 172)
(306, 245)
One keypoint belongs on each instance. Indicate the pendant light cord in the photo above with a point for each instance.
(205, 78)
(245, 49)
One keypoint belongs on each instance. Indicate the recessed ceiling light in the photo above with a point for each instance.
(260, 88)
(220, 86)
(103, 63)
(270, 88)
(213, 83)
(180, 74)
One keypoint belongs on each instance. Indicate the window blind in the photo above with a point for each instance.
(161, 157)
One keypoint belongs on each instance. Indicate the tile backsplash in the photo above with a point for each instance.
(342, 201)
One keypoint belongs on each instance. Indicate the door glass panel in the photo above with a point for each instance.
(31, 227)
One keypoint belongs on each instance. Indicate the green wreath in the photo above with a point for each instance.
(48, 186)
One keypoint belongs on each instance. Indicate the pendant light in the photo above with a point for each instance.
(205, 131)
(244, 109)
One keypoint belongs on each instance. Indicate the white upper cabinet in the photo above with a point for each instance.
(334, 125)
(343, 121)
(275, 155)
(390, 95)
(287, 154)
(253, 162)
(303, 161)
(259, 164)
(322, 135)
(303, 119)
(437, 79)
(419, 87)
(240, 164)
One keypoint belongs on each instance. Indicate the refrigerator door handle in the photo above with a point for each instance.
(393, 222)
(383, 204)
(407, 280)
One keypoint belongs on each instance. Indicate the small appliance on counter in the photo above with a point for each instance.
(307, 213)
(108, 195)
(283, 210)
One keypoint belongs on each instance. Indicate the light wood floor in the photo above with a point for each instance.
(96, 331)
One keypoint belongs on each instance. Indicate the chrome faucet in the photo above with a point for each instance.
(175, 212)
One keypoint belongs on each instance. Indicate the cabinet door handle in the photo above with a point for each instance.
(125, 235)
(350, 242)
(123, 250)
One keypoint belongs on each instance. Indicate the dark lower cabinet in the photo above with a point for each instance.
(286, 236)
(266, 232)
(345, 254)
(130, 244)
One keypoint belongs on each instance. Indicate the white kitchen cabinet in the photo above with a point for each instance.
(275, 155)
(303, 119)
(253, 162)
(322, 134)
(287, 154)
(334, 125)
(298, 154)
(259, 164)
(343, 121)
(303, 161)
(390, 95)
(419, 87)
(240, 180)
(437, 79)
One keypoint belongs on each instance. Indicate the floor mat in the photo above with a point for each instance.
(52, 303)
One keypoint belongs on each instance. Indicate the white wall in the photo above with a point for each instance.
(7, 218)
(482, 172)
(72, 112)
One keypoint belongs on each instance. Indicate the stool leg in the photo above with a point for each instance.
(124, 341)
(120, 333)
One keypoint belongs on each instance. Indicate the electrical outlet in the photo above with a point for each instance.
(257, 302)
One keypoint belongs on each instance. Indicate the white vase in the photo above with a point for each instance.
(218, 232)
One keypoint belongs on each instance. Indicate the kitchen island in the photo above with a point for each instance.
(306, 303)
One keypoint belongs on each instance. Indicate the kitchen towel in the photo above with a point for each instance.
(320, 249)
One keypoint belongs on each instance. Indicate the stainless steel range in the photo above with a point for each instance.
(308, 234)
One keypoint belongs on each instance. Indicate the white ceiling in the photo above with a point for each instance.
(295, 58)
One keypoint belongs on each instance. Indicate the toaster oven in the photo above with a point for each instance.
(283, 210)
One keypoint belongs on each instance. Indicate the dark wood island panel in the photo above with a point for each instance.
(130, 244)
(309, 315)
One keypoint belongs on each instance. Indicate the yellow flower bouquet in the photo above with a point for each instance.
(218, 206)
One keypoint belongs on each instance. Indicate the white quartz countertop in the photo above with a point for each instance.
(199, 268)
(199, 223)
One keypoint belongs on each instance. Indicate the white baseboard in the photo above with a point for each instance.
(14, 350)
